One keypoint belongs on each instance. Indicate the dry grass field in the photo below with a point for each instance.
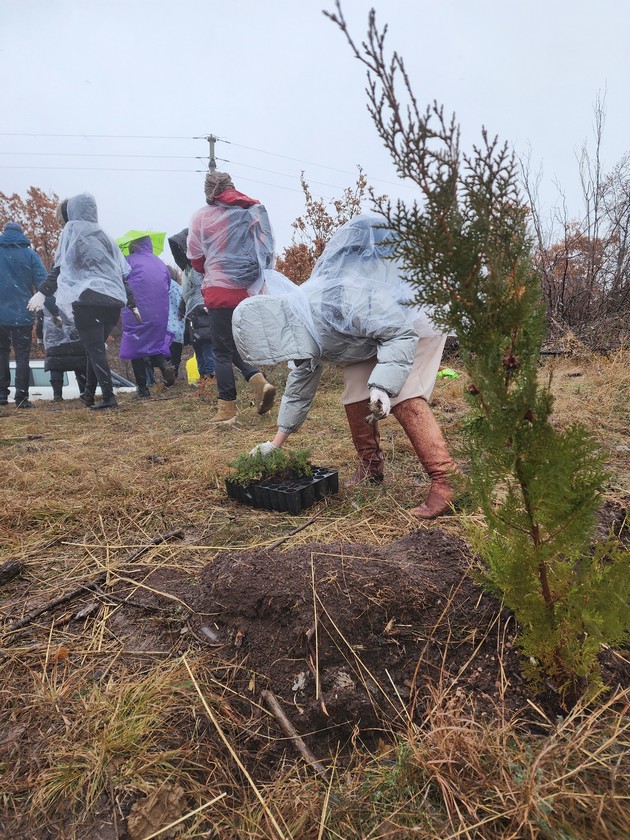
(154, 629)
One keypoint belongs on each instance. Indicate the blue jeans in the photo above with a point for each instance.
(226, 355)
(205, 356)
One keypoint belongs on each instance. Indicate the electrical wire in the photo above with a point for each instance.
(198, 137)
(99, 154)
(130, 169)
(99, 169)
(87, 136)
(161, 157)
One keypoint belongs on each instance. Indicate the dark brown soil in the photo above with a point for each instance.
(352, 640)
(352, 636)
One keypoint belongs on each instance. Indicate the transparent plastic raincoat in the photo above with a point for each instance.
(64, 350)
(87, 257)
(233, 235)
(354, 307)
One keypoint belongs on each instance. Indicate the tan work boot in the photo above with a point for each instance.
(264, 391)
(226, 413)
(422, 429)
(367, 442)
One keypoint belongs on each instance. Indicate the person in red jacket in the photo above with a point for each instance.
(231, 243)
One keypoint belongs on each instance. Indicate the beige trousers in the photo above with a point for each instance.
(419, 383)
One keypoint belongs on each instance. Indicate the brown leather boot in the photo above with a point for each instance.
(226, 412)
(421, 427)
(265, 392)
(367, 442)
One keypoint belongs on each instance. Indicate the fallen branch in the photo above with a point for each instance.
(51, 605)
(289, 730)
(23, 438)
(293, 532)
(90, 585)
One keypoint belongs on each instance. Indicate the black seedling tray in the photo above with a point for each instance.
(286, 495)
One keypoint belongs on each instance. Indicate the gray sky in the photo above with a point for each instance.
(277, 83)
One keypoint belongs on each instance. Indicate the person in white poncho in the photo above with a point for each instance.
(88, 280)
(352, 312)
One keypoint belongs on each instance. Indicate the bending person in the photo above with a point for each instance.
(88, 278)
(352, 312)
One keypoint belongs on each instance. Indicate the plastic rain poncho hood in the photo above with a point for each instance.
(87, 257)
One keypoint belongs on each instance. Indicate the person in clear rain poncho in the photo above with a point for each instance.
(351, 312)
(88, 279)
(230, 243)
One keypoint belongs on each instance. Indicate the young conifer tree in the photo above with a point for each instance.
(467, 249)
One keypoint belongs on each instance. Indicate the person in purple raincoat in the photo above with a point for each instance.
(149, 280)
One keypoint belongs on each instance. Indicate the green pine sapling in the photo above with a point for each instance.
(465, 246)
(247, 468)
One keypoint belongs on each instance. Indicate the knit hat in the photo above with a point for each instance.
(215, 184)
(14, 226)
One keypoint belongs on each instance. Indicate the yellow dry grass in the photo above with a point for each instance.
(88, 726)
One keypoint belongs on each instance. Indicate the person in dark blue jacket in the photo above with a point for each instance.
(21, 272)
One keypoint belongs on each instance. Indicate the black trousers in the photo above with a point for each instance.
(21, 339)
(94, 324)
(226, 354)
(176, 355)
(56, 381)
(139, 367)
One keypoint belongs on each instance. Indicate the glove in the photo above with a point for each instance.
(36, 302)
(263, 449)
(380, 404)
(136, 314)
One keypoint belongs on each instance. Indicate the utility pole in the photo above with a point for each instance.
(212, 164)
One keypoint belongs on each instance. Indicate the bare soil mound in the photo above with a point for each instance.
(350, 638)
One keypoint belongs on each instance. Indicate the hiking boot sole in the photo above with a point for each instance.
(269, 394)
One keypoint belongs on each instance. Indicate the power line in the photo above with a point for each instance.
(98, 154)
(199, 137)
(286, 157)
(106, 136)
(281, 174)
(100, 169)
(160, 157)
(310, 163)
(130, 169)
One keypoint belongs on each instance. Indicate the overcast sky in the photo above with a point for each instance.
(109, 97)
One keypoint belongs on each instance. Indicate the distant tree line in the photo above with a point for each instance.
(36, 213)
